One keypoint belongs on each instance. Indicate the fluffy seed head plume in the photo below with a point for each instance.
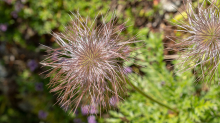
(88, 66)
(201, 47)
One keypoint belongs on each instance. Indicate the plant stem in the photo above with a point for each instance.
(149, 97)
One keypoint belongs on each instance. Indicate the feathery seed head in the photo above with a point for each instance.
(202, 44)
(88, 66)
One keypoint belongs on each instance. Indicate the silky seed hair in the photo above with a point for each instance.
(201, 46)
(87, 68)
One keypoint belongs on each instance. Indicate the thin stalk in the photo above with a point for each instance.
(149, 97)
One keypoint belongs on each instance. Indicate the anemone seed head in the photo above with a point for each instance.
(201, 47)
(88, 66)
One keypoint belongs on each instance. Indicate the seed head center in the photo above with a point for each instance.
(90, 58)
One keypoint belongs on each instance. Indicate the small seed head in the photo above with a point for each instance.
(201, 46)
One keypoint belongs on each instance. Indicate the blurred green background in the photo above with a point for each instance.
(25, 97)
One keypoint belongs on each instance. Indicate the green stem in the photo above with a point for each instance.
(149, 97)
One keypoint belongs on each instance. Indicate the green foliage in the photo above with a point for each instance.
(40, 17)
(193, 102)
